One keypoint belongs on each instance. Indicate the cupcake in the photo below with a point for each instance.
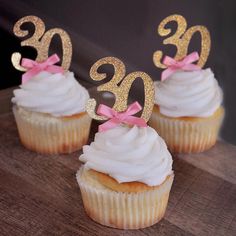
(126, 177)
(49, 110)
(188, 112)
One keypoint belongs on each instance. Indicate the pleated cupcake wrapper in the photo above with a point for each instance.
(187, 136)
(52, 135)
(125, 210)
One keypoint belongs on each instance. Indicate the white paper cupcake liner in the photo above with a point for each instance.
(51, 135)
(124, 210)
(187, 136)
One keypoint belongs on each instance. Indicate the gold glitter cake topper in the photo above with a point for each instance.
(120, 86)
(41, 40)
(181, 39)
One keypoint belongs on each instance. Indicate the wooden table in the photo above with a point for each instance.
(39, 194)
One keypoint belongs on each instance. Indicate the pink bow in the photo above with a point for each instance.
(36, 67)
(117, 118)
(184, 64)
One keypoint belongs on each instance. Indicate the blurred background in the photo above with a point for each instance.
(127, 30)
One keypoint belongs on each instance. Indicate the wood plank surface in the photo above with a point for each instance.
(39, 194)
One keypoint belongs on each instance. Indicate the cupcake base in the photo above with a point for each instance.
(123, 210)
(46, 134)
(187, 134)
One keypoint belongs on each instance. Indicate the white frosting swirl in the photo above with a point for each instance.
(185, 93)
(56, 94)
(129, 154)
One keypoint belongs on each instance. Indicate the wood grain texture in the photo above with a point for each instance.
(39, 194)
(219, 160)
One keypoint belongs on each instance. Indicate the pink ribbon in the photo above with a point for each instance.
(117, 118)
(184, 64)
(36, 67)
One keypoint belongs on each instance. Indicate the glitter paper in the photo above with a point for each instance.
(91, 107)
(41, 40)
(15, 60)
(181, 39)
(120, 86)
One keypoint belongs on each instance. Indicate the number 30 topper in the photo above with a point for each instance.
(181, 39)
(41, 40)
(120, 86)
